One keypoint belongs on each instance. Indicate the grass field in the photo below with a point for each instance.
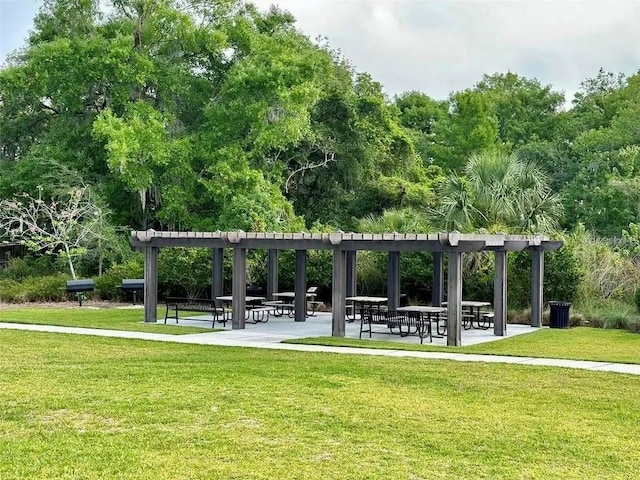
(95, 408)
(581, 343)
(109, 318)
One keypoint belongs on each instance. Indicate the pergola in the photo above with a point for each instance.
(344, 247)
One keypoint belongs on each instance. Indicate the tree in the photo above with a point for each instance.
(499, 192)
(603, 191)
(470, 127)
(64, 226)
(525, 110)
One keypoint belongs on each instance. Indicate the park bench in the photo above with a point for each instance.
(260, 313)
(398, 323)
(195, 305)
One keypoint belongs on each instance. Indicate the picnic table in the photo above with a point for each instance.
(255, 309)
(426, 314)
(365, 302)
(289, 304)
(474, 309)
(249, 299)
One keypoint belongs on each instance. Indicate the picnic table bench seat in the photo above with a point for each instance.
(260, 314)
(289, 308)
(205, 305)
(398, 323)
(486, 320)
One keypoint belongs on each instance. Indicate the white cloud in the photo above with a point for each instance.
(440, 46)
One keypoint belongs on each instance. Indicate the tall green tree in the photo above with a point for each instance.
(526, 110)
(499, 192)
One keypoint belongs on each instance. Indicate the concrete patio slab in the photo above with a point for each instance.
(282, 328)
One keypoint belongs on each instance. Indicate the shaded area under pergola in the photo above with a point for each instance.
(344, 247)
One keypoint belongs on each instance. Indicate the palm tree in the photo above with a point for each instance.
(499, 191)
(406, 220)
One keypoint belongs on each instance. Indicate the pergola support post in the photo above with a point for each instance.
(338, 293)
(150, 284)
(500, 294)
(301, 286)
(352, 273)
(537, 280)
(217, 275)
(438, 280)
(393, 280)
(454, 300)
(239, 288)
(272, 274)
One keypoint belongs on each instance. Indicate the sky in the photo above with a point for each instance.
(440, 46)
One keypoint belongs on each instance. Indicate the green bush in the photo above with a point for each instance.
(562, 276)
(606, 273)
(108, 285)
(319, 270)
(50, 288)
(21, 268)
(634, 326)
(11, 291)
(185, 271)
(637, 299)
(594, 321)
(617, 320)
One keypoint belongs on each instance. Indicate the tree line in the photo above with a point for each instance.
(214, 115)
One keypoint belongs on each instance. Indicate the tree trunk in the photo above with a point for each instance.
(73, 271)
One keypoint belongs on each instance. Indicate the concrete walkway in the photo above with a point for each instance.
(256, 338)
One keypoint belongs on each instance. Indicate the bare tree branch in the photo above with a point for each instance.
(68, 223)
(328, 158)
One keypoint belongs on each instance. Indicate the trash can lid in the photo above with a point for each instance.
(559, 304)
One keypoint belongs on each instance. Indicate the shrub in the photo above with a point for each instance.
(11, 291)
(21, 268)
(594, 321)
(576, 319)
(519, 317)
(606, 274)
(634, 326)
(108, 285)
(184, 271)
(49, 288)
(637, 299)
(618, 320)
(562, 276)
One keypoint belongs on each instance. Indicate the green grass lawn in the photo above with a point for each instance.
(577, 344)
(96, 408)
(107, 318)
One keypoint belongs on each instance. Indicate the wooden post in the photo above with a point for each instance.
(150, 284)
(438, 280)
(537, 280)
(393, 280)
(500, 294)
(338, 293)
(272, 274)
(239, 288)
(301, 286)
(217, 280)
(352, 273)
(454, 300)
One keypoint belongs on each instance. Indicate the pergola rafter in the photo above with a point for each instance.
(345, 246)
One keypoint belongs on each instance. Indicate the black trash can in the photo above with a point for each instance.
(559, 314)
